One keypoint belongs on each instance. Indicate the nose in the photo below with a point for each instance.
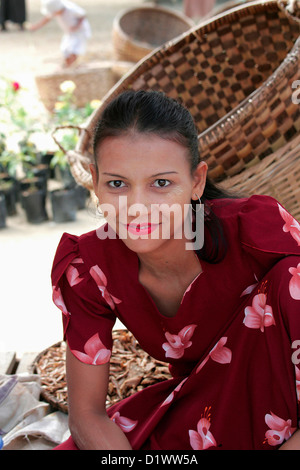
(138, 204)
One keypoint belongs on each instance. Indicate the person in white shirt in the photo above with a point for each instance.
(72, 20)
(198, 9)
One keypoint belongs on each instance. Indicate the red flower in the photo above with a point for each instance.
(15, 86)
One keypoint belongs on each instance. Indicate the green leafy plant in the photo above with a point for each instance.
(19, 124)
(66, 121)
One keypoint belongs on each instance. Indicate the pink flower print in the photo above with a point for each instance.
(125, 424)
(170, 397)
(101, 281)
(73, 274)
(259, 315)
(250, 288)
(202, 438)
(294, 284)
(219, 353)
(280, 429)
(59, 301)
(291, 225)
(178, 343)
(95, 352)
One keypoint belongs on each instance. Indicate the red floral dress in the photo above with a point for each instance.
(233, 345)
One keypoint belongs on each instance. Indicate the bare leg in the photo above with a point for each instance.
(70, 60)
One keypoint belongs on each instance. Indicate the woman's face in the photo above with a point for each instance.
(144, 186)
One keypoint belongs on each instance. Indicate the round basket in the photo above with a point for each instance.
(277, 175)
(235, 74)
(137, 31)
(131, 370)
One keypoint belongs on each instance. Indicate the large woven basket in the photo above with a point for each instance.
(138, 31)
(235, 74)
(277, 175)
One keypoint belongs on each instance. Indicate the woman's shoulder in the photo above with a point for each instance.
(234, 207)
(262, 223)
(99, 239)
(97, 247)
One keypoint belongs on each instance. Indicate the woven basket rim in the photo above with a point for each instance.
(172, 13)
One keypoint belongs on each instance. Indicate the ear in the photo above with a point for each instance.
(94, 174)
(199, 180)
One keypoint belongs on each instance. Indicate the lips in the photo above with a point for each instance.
(141, 229)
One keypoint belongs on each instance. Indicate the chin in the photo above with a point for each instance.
(141, 245)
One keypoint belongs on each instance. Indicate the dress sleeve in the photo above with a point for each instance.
(267, 228)
(87, 317)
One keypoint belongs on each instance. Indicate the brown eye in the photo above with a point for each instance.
(116, 183)
(162, 183)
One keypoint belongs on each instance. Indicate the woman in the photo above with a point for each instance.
(225, 314)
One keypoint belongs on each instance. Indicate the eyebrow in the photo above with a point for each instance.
(152, 176)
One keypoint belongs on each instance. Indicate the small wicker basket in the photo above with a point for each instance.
(93, 80)
(137, 31)
(235, 74)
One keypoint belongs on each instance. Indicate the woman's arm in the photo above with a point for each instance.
(90, 427)
(293, 443)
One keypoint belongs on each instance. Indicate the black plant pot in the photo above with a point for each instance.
(30, 185)
(34, 204)
(3, 212)
(42, 172)
(64, 205)
(81, 196)
(65, 176)
(36, 182)
(46, 160)
(9, 190)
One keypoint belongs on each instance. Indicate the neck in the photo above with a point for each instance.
(170, 261)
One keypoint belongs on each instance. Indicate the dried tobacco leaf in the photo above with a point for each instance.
(131, 370)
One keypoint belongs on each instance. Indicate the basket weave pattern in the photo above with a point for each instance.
(277, 175)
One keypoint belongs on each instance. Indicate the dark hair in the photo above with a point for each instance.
(153, 112)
